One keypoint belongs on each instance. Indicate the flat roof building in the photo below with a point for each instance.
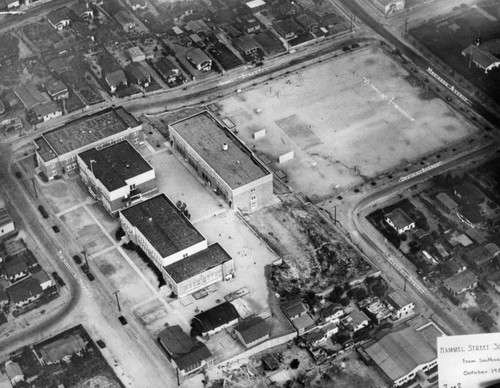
(56, 150)
(117, 176)
(46, 111)
(161, 231)
(6, 223)
(399, 220)
(401, 304)
(200, 270)
(223, 161)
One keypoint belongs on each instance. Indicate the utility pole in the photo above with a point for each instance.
(34, 187)
(335, 215)
(117, 300)
(405, 285)
(406, 27)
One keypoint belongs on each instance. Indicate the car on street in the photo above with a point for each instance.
(101, 344)
(77, 259)
(56, 229)
(90, 276)
(19, 175)
(43, 212)
(85, 268)
(58, 279)
(122, 320)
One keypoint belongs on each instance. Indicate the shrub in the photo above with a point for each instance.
(294, 364)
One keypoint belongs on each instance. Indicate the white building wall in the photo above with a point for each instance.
(184, 253)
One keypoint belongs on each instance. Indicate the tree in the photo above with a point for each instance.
(294, 364)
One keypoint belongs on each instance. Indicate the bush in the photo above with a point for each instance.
(119, 234)
(294, 364)
(345, 301)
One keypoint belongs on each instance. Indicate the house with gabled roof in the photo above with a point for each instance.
(59, 18)
(252, 331)
(399, 221)
(215, 319)
(25, 292)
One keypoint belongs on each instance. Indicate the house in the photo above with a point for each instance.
(62, 349)
(410, 349)
(216, 319)
(12, 4)
(330, 329)
(222, 161)
(448, 203)
(252, 331)
(14, 372)
(399, 221)
(167, 69)
(455, 265)
(83, 11)
(198, 41)
(25, 292)
(249, 25)
(177, 31)
(115, 79)
(375, 309)
(46, 111)
(15, 268)
(481, 58)
(6, 224)
(294, 309)
(117, 176)
(43, 279)
(29, 95)
(59, 18)
(138, 74)
(124, 20)
(461, 282)
(286, 9)
(287, 29)
(303, 323)
(314, 337)
(185, 354)
(10, 98)
(199, 59)
(307, 22)
(256, 5)
(197, 27)
(138, 4)
(469, 193)
(135, 54)
(356, 320)
(400, 304)
(482, 255)
(56, 89)
(246, 45)
(332, 313)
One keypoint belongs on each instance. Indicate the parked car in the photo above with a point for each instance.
(58, 279)
(85, 268)
(90, 276)
(101, 344)
(43, 212)
(19, 175)
(56, 229)
(122, 320)
(77, 260)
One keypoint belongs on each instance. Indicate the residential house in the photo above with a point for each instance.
(43, 279)
(249, 25)
(252, 331)
(332, 313)
(307, 22)
(115, 79)
(25, 292)
(246, 45)
(483, 59)
(446, 202)
(83, 11)
(461, 282)
(469, 193)
(375, 309)
(330, 329)
(294, 309)
(400, 304)
(138, 74)
(215, 319)
(256, 5)
(455, 265)
(314, 337)
(481, 256)
(125, 21)
(287, 29)
(62, 349)
(59, 18)
(56, 89)
(303, 324)
(356, 320)
(6, 224)
(399, 221)
(390, 7)
(14, 372)
(139, 4)
(199, 59)
(167, 69)
(15, 268)
(198, 41)
(12, 4)
(29, 95)
(135, 54)
(185, 354)
(45, 112)
(198, 27)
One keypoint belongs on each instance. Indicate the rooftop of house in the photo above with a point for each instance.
(303, 322)
(446, 200)
(116, 77)
(137, 70)
(398, 299)
(255, 3)
(176, 341)
(113, 166)
(59, 15)
(253, 329)
(286, 27)
(399, 218)
(24, 290)
(198, 56)
(469, 192)
(198, 263)
(293, 308)
(481, 57)
(80, 8)
(215, 317)
(358, 317)
(399, 352)
(246, 43)
(4, 217)
(84, 131)
(236, 165)
(41, 276)
(135, 51)
(460, 281)
(55, 86)
(29, 95)
(165, 66)
(331, 309)
(163, 225)
(46, 108)
(56, 350)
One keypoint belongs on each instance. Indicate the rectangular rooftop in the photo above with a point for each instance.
(163, 225)
(87, 130)
(235, 165)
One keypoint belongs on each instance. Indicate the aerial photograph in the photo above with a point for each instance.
(249, 193)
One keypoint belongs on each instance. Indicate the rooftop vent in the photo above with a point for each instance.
(127, 165)
(225, 147)
(150, 219)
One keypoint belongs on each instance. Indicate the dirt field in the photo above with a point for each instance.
(63, 195)
(345, 120)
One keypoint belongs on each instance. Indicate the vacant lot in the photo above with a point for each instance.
(63, 195)
(346, 120)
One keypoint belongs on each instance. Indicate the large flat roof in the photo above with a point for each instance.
(401, 351)
(115, 164)
(88, 129)
(236, 165)
(4, 217)
(198, 263)
(163, 225)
